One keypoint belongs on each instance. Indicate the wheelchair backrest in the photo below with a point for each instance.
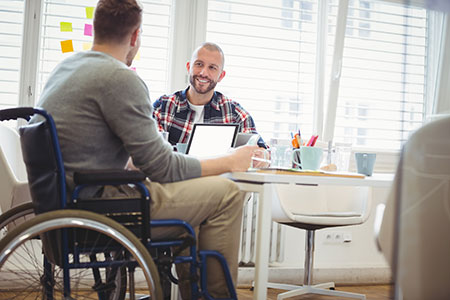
(42, 157)
(41, 160)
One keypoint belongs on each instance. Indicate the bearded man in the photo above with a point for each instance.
(199, 103)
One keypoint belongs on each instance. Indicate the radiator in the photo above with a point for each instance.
(248, 235)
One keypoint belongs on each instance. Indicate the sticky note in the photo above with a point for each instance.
(88, 29)
(66, 46)
(138, 56)
(65, 26)
(133, 68)
(87, 46)
(89, 12)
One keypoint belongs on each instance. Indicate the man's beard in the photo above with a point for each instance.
(211, 86)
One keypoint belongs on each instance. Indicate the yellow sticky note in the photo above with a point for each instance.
(89, 12)
(66, 26)
(87, 46)
(66, 46)
(138, 56)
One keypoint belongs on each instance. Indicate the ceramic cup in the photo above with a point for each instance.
(310, 157)
(365, 163)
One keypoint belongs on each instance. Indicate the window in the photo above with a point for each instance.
(270, 60)
(382, 87)
(271, 56)
(11, 23)
(67, 23)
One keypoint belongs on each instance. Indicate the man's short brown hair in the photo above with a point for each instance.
(115, 19)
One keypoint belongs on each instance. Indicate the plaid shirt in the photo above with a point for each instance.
(173, 114)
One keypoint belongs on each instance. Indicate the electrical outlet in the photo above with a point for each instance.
(338, 237)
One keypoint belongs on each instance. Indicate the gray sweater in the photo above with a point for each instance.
(103, 116)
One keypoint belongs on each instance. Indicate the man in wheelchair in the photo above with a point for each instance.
(103, 116)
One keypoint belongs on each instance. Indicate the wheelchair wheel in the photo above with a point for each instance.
(14, 217)
(98, 247)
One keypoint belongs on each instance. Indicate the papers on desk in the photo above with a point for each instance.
(288, 171)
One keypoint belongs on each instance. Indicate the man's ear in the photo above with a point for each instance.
(134, 37)
(221, 76)
(188, 66)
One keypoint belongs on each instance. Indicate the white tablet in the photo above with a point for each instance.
(209, 140)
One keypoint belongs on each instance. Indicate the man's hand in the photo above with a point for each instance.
(241, 158)
(238, 160)
(261, 158)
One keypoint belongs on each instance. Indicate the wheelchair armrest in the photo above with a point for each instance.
(110, 176)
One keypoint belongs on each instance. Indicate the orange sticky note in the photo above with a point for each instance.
(89, 12)
(87, 46)
(66, 46)
(65, 26)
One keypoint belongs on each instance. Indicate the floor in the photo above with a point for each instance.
(372, 292)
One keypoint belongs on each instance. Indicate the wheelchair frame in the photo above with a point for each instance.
(65, 220)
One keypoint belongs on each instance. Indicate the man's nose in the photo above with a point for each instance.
(204, 71)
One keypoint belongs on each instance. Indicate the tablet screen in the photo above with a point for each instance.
(208, 140)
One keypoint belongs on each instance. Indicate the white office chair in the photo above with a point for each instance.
(415, 230)
(311, 209)
(13, 179)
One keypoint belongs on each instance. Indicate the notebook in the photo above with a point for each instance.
(208, 140)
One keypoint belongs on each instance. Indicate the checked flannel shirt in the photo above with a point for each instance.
(173, 115)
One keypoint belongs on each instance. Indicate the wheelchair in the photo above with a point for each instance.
(77, 247)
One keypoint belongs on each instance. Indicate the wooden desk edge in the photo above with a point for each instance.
(325, 174)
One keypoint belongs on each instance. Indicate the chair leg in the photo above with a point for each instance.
(308, 288)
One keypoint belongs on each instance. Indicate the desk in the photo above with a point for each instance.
(263, 183)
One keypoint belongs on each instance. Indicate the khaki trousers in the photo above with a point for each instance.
(213, 205)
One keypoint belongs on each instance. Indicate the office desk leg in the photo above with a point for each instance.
(262, 243)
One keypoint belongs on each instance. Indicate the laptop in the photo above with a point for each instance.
(208, 140)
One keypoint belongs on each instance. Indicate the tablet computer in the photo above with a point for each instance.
(208, 140)
(243, 138)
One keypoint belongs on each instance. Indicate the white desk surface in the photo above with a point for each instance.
(376, 180)
(263, 183)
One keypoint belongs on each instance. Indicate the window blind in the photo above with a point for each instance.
(11, 25)
(70, 21)
(270, 54)
(383, 77)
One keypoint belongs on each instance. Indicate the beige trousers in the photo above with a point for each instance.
(213, 205)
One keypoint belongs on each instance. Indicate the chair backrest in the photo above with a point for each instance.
(415, 231)
(7, 183)
(42, 157)
(10, 146)
(326, 205)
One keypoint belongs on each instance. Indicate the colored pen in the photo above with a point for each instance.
(299, 138)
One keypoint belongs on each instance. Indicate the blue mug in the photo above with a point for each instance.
(365, 163)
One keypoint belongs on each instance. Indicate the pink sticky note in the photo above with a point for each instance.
(133, 68)
(88, 29)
